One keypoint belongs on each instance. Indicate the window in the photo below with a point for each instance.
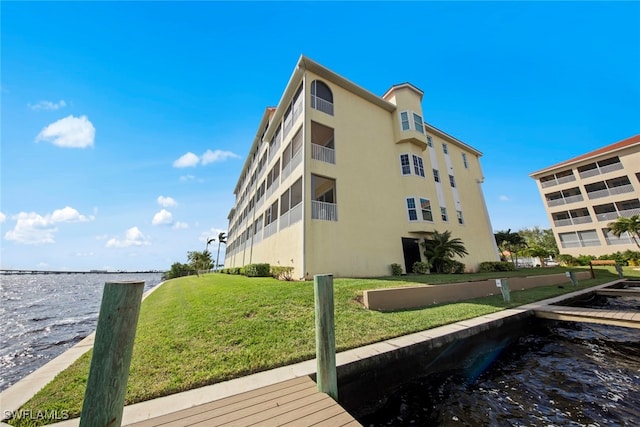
(460, 218)
(464, 161)
(321, 97)
(411, 209)
(404, 164)
(445, 148)
(425, 206)
(443, 214)
(429, 141)
(296, 193)
(436, 175)
(417, 121)
(418, 166)
(284, 202)
(404, 121)
(452, 181)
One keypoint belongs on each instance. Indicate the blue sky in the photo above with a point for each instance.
(103, 102)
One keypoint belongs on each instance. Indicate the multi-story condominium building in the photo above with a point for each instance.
(584, 194)
(344, 182)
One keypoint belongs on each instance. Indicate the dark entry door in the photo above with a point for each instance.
(411, 250)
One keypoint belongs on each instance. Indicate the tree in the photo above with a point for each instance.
(178, 270)
(199, 260)
(222, 238)
(629, 225)
(440, 248)
(509, 242)
(540, 243)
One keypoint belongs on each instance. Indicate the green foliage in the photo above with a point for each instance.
(451, 266)
(509, 243)
(541, 239)
(440, 248)
(627, 257)
(257, 270)
(231, 270)
(178, 270)
(420, 267)
(629, 225)
(200, 260)
(396, 269)
(585, 259)
(489, 266)
(281, 272)
(567, 260)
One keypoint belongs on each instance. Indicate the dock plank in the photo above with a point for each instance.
(629, 319)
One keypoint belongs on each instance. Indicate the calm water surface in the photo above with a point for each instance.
(41, 316)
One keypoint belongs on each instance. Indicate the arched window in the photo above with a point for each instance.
(321, 97)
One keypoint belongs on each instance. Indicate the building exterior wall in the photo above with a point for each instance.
(582, 195)
(356, 230)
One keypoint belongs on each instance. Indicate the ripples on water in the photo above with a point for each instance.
(42, 315)
(564, 374)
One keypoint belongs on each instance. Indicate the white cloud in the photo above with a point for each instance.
(185, 178)
(217, 156)
(33, 229)
(3, 217)
(167, 202)
(133, 237)
(70, 132)
(162, 217)
(180, 225)
(504, 198)
(188, 160)
(85, 254)
(48, 105)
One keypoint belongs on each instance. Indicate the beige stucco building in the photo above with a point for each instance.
(345, 182)
(582, 195)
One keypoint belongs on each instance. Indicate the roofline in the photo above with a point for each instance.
(402, 85)
(611, 148)
(445, 135)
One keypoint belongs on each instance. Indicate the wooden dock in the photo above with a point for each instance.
(629, 319)
(295, 402)
(614, 292)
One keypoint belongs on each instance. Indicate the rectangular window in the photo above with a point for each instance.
(417, 121)
(418, 166)
(436, 175)
(296, 192)
(452, 181)
(445, 148)
(404, 121)
(429, 141)
(425, 206)
(284, 202)
(460, 218)
(443, 214)
(464, 161)
(411, 209)
(404, 164)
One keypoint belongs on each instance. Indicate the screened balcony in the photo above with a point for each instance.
(558, 198)
(322, 143)
(557, 178)
(611, 211)
(321, 97)
(609, 187)
(323, 203)
(600, 167)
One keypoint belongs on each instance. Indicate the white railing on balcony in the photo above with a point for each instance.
(628, 213)
(270, 229)
(573, 199)
(284, 220)
(260, 202)
(257, 238)
(582, 220)
(562, 222)
(598, 194)
(572, 244)
(324, 211)
(621, 189)
(589, 173)
(288, 124)
(297, 108)
(286, 171)
(322, 105)
(273, 149)
(297, 159)
(555, 202)
(608, 216)
(550, 183)
(274, 186)
(610, 168)
(295, 214)
(565, 179)
(322, 153)
(613, 240)
(591, 242)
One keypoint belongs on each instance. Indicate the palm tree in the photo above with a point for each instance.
(440, 248)
(629, 225)
(510, 242)
(222, 238)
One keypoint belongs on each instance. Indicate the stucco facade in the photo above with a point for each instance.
(342, 181)
(584, 194)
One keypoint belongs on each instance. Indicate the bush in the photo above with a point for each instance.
(453, 267)
(282, 273)
(567, 260)
(490, 266)
(396, 269)
(178, 270)
(420, 267)
(257, 270)
(585, 259)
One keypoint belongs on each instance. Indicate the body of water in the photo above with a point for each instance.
(41, 316)
(560, 374)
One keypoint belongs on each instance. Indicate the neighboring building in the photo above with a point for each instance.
(584, 194)
(341, 181)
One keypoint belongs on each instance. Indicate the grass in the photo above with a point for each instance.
(196, 331)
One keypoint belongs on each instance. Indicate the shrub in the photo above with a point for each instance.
(420, 267)
(453, 267)
(489, 266)
(282, 273)
(567, 260)
(178, 270)
(257, 270)
(585, 259)
(396, 269)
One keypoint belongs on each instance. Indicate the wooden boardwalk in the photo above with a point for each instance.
(294, 402)
(614, 292)
(629, 319)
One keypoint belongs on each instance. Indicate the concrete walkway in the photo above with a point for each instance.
(436, 337)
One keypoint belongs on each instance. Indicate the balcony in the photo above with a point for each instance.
(557, 180)
(270, 229)
(291, 216)
(322, 105)
(612, 216)
(610, 191)
(323, 154)
(324, 211)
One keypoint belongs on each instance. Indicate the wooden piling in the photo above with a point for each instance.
(107, 384)
(325, 335)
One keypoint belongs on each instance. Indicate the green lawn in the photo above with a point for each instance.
(196, 331)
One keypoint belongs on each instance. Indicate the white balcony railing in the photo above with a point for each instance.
(562, 222)
(573, 199)
(545, 184)
(565, 179)
(598, 194)
(591, 242)
(610, 168)
(612, 240)
(297, 108)
(322, 153)
(572, 244)
(608, 216)
(284, 220)
(322, 105)
(324, 211)
(295, 214)
(621, 189)
(297, 159)
(589, 173)
(628, 213)
(274, 186)
(555, 202)
(270, 229)
(582, 220)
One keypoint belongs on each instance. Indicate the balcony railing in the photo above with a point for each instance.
(295, 161)
(322, 105)
(589, 173)
(612, 167)
(562, 222)
(582, 220)
(273, 149)
(270, 229)
(621, 189)
(274, 186)
(297, 109)
(573, 199)
(565, 179)
(324, 211)
(295, 214)
(322, 153)
(612, 240)
(612, 216)
(573, 244)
